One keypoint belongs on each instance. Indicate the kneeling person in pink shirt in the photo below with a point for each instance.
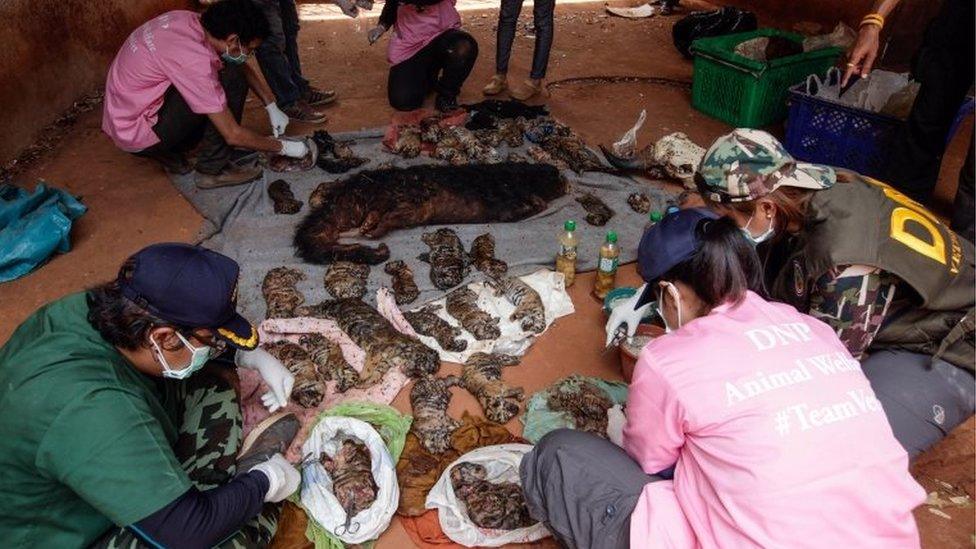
(769, 431)
(180, 81)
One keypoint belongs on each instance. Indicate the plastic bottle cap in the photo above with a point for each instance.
(656, 216)
(611, 236)
(570, 225)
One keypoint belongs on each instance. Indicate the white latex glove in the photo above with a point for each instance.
(274, 374)
(283, 478)
(624, 313)
(294, 149)
(375, 33)
(279, 120)
(615, 425)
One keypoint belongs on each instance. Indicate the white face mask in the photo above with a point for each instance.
(756, 240)
(677, 305)
(198, 357)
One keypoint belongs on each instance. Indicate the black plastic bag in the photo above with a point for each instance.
(702, 24)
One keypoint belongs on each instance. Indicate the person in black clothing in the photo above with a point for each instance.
(944, 66)
(428, 51)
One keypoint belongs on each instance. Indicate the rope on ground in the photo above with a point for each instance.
(622, 79)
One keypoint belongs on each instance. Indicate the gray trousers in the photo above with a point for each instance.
(583, 488)
(923, 399)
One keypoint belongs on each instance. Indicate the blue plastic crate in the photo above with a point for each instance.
(829, 133)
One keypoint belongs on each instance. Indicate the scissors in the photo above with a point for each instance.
(349, 527)
(618, 337)
(307, 460)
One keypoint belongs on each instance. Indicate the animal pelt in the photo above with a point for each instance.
(380, 201)
(449, 263)
(561, 145)
(483, 256)
(597, 211)
(309, 388)
(282, 163)
(346, 279)
(462, 304)
(495, 505)
(425, 322)
(331, 364)
(482, 377)
(429, 398)
(506, 109)
(585, 403)
(280, 293)
(639, 202)
(352, 477)
(283, 199)
(385, 347)
(335, 156)
(405, 289)
(529, 311)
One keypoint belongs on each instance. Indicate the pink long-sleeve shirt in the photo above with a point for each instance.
(777, 437)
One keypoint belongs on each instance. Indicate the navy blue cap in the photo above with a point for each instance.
(189, 286)
(668, 243)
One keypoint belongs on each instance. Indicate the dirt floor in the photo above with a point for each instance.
(132, 203)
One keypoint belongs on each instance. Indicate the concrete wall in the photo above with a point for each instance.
(54, 51)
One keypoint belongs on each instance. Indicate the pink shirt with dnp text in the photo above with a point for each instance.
(778, 438)
(415, 28)
(168, 50)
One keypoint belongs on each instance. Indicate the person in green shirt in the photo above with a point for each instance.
(109, 441)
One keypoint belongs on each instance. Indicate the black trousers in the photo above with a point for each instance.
(944, 67)
(442, 65)
(180, 129)
(542, 19)
(278, 53)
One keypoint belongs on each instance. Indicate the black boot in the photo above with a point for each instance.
(272, 436)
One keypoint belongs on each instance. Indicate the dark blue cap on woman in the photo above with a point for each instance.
(671, 241)
(189, 286)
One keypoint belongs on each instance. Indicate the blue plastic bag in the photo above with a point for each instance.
(33, 226)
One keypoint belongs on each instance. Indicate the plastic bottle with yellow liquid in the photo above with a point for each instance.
(606, 271)
(566, 258)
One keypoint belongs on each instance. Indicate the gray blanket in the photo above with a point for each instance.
(241, 223)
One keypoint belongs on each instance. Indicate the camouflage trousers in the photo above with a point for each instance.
(210, 435)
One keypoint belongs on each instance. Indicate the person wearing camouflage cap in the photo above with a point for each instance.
(893, 280)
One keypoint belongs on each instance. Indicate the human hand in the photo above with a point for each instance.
(293, 149)
(279, 120)
(283, 478)
(861, 56)
(623, 313)
(272, 371)
(348, 7)
(375, 33)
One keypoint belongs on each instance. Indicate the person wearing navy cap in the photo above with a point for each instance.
(743, 422)
(115, 433)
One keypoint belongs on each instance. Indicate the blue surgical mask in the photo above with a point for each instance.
(198, 357)
(757, 240)
(238, 59)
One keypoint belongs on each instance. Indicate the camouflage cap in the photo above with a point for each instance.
(749, 164)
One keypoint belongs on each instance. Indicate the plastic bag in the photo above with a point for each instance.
(316, 493)
(626, 146)
(502, 462)
(841, 37)
(703, 24)
(33, 226)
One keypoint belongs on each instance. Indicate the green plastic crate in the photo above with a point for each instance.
(746, 93)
